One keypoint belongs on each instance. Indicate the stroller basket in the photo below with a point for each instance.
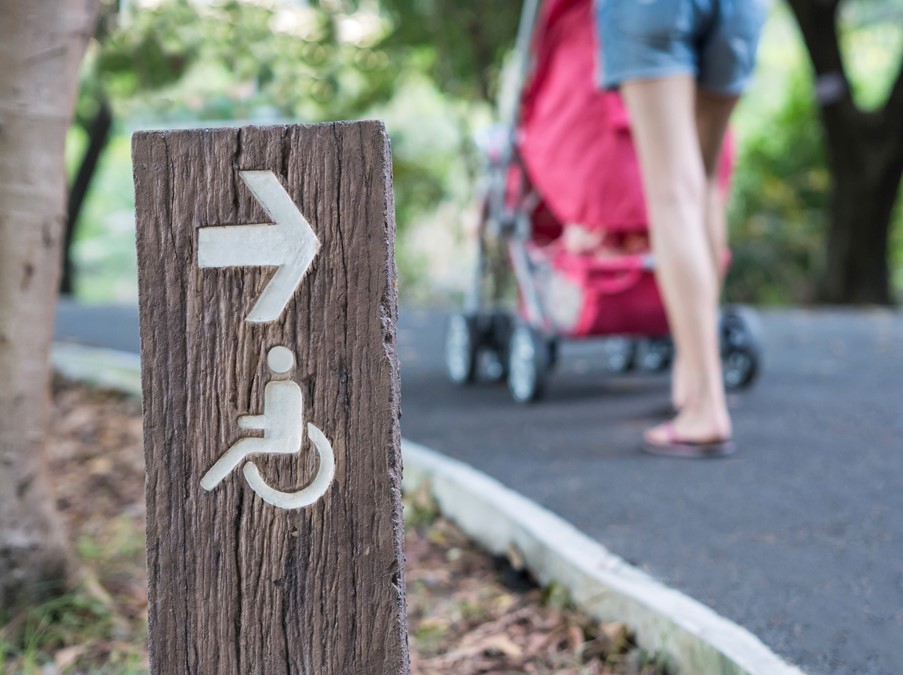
(587, 296)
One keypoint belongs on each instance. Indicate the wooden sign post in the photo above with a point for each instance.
(271, 400)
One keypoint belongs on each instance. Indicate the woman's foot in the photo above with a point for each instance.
(691, 435)
(679, 396)
(686, 389)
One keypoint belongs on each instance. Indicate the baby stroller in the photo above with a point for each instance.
(565, 155)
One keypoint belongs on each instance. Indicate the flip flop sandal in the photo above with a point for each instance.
(678, 447)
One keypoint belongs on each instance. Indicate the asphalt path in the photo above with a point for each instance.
(798, 537)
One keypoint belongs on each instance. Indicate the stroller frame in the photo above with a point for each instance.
(497, 218)
(488, 340)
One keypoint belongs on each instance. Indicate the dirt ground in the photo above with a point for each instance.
(468, 613)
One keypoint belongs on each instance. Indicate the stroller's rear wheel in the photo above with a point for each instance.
(553, 346)
(654, 355)
(498, 335)
(741, 347)
(528, 363)
(461, 346)
(620, 354)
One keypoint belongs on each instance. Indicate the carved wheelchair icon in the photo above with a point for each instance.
(283, 432)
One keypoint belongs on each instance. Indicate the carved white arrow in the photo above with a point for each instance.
(289, 244)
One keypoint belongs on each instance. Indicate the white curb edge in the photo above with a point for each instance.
(103, 367)
(692, 638)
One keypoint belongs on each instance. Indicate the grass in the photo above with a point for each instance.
(74, 628)
(87, 625)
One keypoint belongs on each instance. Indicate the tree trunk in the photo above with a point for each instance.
(865, 153)
(857, 251)
(98, 135)
(41, 46)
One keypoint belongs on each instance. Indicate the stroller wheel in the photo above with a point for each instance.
(620, 354)
(528, 363)
(461, 343)
(554, 349)
(655, 354)
(741, 347)
(495, 355)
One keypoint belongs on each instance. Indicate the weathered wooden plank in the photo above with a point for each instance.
(236, 584)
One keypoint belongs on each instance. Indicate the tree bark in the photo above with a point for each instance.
(865, 155)
(41, 46)
(857, 247)
(98, 136)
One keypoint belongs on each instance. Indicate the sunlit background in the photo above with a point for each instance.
(432, 71)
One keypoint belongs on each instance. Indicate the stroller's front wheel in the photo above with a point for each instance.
(620, 354)
(741, 346)
(461, 344)
(653, 355)
(528, 363)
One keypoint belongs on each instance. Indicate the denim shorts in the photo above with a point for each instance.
(713, 40)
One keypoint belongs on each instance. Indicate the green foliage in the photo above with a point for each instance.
(177, 62)
(557, 596)
(896, 247)
(430, 69)
(463, 42)
(78, 622)
(420, 508)
(151, 54)
(779, 205)
(92, 624)
(871, 39)
(231, 59)
(104, 249)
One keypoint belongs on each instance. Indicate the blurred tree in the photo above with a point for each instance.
(779, 204)
(41, 47)
(240, 60)
(463, 42)
(97, 128)
(94, 115)
(462, 45)
(230, 59)
(865, 155)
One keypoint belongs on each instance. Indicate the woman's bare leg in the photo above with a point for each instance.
(713, 111)
(663, 120)
(712, 114)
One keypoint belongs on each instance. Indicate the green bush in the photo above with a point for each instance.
(779, 205)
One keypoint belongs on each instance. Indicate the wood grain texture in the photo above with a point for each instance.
(237, 585)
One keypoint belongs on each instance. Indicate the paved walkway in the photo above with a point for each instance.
(799, 537)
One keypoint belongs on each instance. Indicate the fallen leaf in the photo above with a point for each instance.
(68, 656)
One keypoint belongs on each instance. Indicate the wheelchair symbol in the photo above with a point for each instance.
(283, 432)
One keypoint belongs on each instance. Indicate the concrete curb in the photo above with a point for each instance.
(101, 367)
(691, 638)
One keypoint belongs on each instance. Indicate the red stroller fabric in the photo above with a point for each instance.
(574, 137)
(578, 153)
